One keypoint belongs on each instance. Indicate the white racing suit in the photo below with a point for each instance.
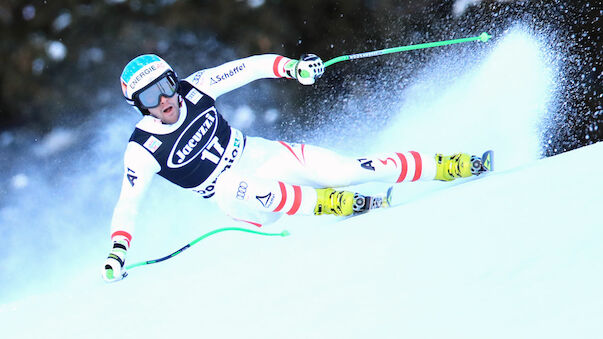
(252, 179)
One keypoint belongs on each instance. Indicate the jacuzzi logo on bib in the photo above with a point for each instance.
(194, 139)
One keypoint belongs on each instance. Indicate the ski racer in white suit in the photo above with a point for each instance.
(184, 139)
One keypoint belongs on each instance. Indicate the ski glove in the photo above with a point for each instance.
(114, 269)
(308, 69)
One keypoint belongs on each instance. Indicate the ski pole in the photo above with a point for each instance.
(482, 37)
(148, 262)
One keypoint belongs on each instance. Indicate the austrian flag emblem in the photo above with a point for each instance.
(152, 144)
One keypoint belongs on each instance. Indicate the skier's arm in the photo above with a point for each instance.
(234, 74)
(140, 167)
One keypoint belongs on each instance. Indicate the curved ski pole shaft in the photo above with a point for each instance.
(483, 37)
(154, 261)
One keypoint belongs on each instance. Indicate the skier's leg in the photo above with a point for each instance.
(320, 167)
(261, 201)
(329, 167)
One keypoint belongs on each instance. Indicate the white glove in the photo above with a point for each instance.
(308, 69)
(114, 269)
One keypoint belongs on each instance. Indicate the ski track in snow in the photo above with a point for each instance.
(513, 254)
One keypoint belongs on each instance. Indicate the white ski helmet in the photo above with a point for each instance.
(145, 73)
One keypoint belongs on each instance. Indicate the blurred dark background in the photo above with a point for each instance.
(61, 59)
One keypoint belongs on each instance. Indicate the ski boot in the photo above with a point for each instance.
(462, 165)
(344, 203)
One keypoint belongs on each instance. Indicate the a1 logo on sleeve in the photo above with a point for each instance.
(131, 175)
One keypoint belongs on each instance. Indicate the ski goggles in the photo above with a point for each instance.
(150, 95)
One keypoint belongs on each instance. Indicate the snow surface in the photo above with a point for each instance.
(514, 254)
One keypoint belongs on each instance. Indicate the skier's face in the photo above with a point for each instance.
(168, 110)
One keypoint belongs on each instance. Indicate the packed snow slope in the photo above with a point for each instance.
(512, 254)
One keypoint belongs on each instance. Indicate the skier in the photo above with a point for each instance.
(183, 138)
